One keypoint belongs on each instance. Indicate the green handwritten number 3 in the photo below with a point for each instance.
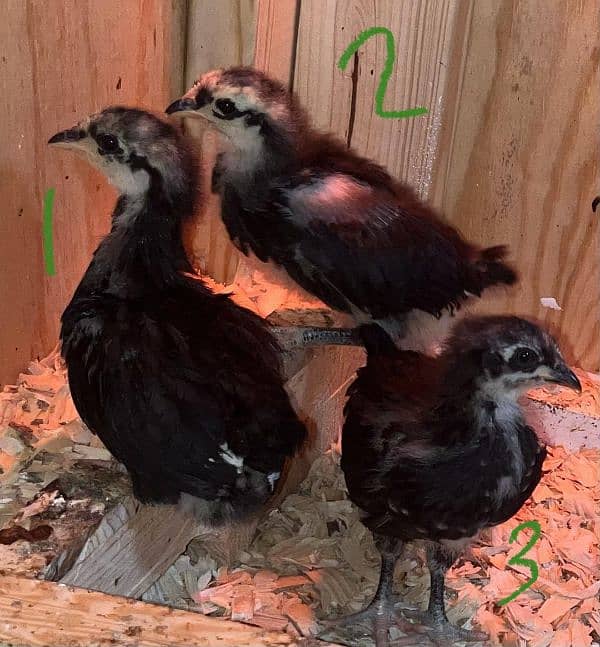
(517, 559)
(385, 75)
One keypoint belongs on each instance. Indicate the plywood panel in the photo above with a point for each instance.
(43, 614)
(426, 34)
(59, 61)
(523, 164)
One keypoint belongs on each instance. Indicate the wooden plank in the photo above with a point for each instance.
(523, 161)
(233, 32)
(61, 61)
(131, 548)
(135, 544)
(426, 35)
(319, 392)
(219, 34)
(276, 38)
(45, 614)
(320, 86)
(20, 232)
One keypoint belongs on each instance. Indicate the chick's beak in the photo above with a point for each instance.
(68, 137)
(563, 375)
(184, 106)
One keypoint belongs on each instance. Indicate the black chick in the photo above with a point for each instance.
(437, 449)
(181, 385)
(339, 224)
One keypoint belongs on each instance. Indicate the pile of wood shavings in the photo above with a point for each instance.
(312, 558)
(56, 478)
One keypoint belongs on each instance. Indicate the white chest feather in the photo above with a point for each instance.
(506, 420)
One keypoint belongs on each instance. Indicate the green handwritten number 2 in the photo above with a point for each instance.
(385, 75)
(517, 559)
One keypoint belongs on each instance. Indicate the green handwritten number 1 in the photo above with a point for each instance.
(517, 559)
(385, 75)
(48, 241)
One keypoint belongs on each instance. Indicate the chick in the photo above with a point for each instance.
(437, 449)
(181, 385)
(341, 227)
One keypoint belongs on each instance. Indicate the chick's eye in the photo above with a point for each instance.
(225, 106)
(525, 357)
(108, 143)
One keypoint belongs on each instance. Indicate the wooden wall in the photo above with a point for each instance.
(60, 60)
(509, 149)
(523, 157)
(219, 34)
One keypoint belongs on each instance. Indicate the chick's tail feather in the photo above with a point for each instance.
(489, 269)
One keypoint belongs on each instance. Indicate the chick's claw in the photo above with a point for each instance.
(438, 631)
(358, 628)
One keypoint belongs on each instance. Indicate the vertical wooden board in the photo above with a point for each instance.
(321, 87)
(63, 61)
(426, 34)
(276, 38)
(219, 34)
(21, 266)
(524, 163)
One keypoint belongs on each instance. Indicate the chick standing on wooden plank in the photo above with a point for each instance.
(437, 449)
(181, 385)
(339, 224)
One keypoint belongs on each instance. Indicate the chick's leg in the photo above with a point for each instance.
(380, 612)
(296, 337)
(434, 622)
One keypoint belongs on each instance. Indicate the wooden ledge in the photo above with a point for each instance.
(45, 614)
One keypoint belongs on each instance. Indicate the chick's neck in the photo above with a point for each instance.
(144, 251)
(472, 403)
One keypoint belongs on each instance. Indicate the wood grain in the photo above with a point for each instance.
(44, 614)
(523, 165)
(426, 34)
(276, 38)
(235, 32)
(131, 548)
(59, 61)
(219, 34)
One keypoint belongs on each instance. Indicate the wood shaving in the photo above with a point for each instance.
(56, 480)
(313, 556)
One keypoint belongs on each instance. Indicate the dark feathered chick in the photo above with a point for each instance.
(182, 386)
(437, 449)
(340, 225)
